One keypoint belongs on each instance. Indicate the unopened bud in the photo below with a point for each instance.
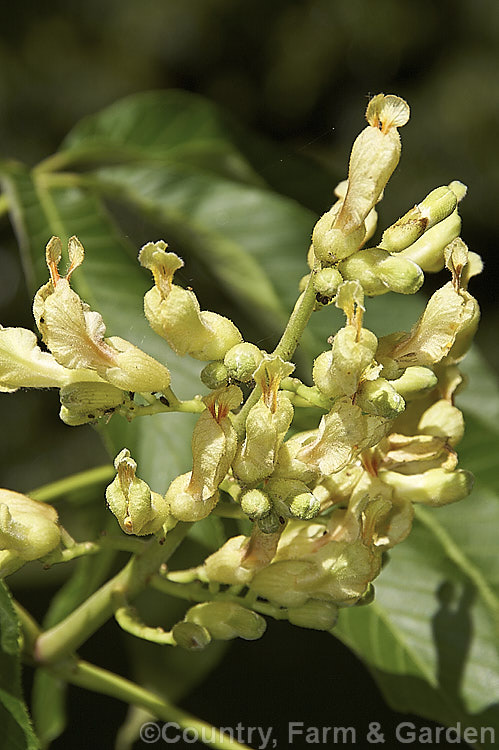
(28, 528)
(138, 510)
(87, 401)
(186, 504)
(416, 381)
(293, 497)
(326, 283)
(436, 207)
(286, 582)
(433, 487)
(315, 614)
(379, 397)
(401, 275)
(242, 360)
(214, 375)
(227, 620)
(428, 250)
(191, 636)
(255, 503)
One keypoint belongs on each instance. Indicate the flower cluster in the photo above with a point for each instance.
(326, 503)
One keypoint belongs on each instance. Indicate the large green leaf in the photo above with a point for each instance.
(181, 127)
(16, 731)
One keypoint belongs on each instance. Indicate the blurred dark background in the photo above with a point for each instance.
(297, 71)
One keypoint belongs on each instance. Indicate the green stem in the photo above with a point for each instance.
(85, 675)
(128, 619)
(285, 348)
(77, 627)
(99, 680)
(83, 479)
(297, 322)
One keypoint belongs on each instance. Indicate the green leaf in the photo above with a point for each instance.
(16, 730)
(184, 128)
(431, 636)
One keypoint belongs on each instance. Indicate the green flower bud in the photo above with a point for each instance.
(138, 510)
(331, 244)
(286, 582)
(87, 402)
(415, 382)
(305, 506)
(191, 636)
(242, 360)
(227, 620)
(436, 207)
(255, 503)
(28, 528)
(186, 504)
(443, 420)
(362, 266)
(214, 442)
(265, 430)
(294, 497)
(326, 283)
(434, 487)
(428, 250)
(401, 275)
(288, 465)
(338, 372)
(314, 614)
(214, 375)
(174, 313)
(379, 397)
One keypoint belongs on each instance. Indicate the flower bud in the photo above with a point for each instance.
(434, 487)
(401, 275)
(28, 528)
(265, 430)
(428, 250)
(326, 283)
(314, 614)
(174, 313)
(444, 420)
(87, 402)
(331, 244)
(255, 503)
(138, 510)
(436, 207)
(227, 620)
(286, 582)
(294, 497)
(242, 360)
(338, 372)
(214, 443)
(185, 503)
(363, 266)
(191, 636)
(214, 375)
(379, 397)
(414, 382)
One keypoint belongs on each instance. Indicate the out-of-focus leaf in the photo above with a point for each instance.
(16, 732)
(184, 128)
